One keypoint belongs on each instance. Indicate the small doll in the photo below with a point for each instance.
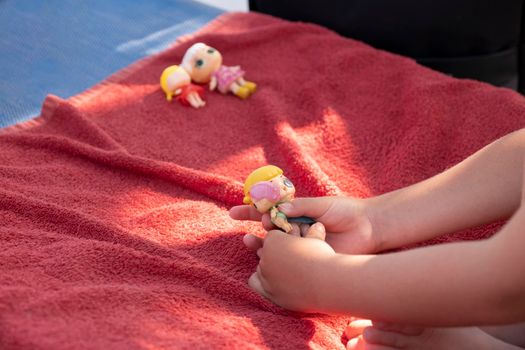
(266, 188)
(204, 64)
(175, 81)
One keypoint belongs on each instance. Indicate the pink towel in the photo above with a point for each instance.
(115, 232)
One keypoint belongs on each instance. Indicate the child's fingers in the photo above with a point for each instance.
(316, 231)
(245, 212)
(312, 207)
(304, 229)
(379, 337)
(296, 231)
(393, 327)
(355, 328)
(359, 344)
(252, 242)
(255, 283)
(356, 343)
(267, 222)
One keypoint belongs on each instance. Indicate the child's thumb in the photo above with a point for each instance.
(311, 207)
(316, 231)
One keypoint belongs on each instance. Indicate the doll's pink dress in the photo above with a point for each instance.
(226, 76)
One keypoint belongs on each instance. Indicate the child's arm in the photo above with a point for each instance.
(464, 283)
(483, 188)
(447, 285)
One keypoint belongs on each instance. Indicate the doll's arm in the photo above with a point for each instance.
(193, 100)
(213, 83)
(482, 188)
(273, 213)
(280, 220)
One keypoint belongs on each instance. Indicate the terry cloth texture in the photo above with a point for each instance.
(115, 232)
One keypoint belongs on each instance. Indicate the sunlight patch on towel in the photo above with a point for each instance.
(113, 96)
(333, 136)
(240, 164)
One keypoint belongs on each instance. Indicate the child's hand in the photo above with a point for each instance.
(365, 335)
(292, 269)
(348, 225)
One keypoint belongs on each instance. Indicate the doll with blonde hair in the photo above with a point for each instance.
(265, 189)
(175, 81)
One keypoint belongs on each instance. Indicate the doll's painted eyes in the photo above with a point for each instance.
(199, 63)
(254, 206)
(287, 182)
(210, 51)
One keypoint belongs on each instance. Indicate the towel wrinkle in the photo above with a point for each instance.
(115, 232)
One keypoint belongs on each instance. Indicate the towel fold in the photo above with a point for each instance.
(115, 232)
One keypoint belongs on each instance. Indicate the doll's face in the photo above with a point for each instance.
(286, 188)
(263, 205)
(204, 62)
(267, 194)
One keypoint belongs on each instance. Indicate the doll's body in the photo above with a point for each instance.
(175, 81)
(279, 219)
(191, 95)
(224, 77)
(266, 188)
(204, 65)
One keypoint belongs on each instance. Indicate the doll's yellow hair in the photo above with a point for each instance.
(164, 80)
(263, 173)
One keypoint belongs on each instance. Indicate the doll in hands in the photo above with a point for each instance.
(266, 188)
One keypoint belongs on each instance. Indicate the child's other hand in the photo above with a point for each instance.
(348, 225)
(367, 335)
(291, 269)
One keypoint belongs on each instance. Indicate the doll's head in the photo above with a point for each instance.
(200, 61)
(172, 79)
(267, 186)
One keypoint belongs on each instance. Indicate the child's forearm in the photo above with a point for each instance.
(467, 283)
(483, 188)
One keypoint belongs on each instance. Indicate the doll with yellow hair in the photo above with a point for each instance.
(266, 188)
(175, 81)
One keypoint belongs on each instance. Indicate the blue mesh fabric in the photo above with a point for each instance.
(63, 47)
